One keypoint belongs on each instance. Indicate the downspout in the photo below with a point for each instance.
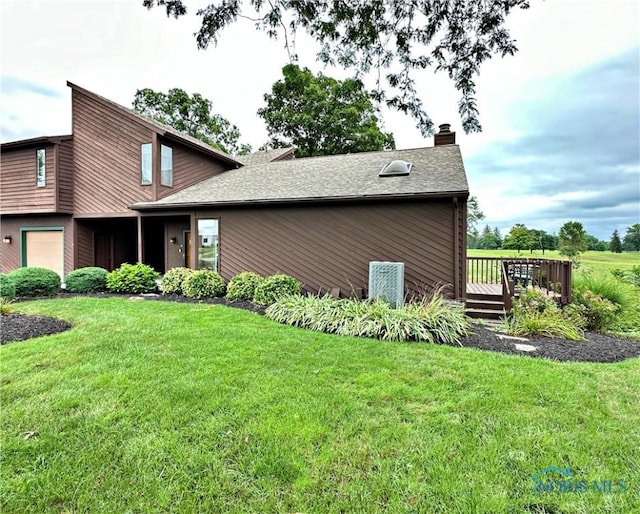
(456, 249)
(139, 234)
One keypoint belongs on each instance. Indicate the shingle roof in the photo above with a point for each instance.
(436, 171)
(34, 141)
(161, 128)
(264, 156)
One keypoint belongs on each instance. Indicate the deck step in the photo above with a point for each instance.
(484, 297)
(472, 303)
(485, 313)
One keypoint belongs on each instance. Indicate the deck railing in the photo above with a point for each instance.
(508, 287)
(552, 275)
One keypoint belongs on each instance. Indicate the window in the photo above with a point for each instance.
(208, 244)
(166, 176)
(41, 167)
(146, 169)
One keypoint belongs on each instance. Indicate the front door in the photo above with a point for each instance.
(103, 250)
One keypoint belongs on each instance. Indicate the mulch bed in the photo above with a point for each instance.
(18, 327)
(596, 348)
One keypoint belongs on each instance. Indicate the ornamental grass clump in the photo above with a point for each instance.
(173, 280)
(603, 286)
(602, 300)
(534, 314)
(431, 319)
(243, 285)
(203, 284)
(87, 280)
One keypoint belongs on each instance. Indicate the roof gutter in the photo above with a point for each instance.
(35, 141)
(305, 200)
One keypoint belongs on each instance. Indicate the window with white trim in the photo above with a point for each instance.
(41, 167)
(166, 159)
(146, 163)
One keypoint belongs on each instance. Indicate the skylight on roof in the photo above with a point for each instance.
(395, 168)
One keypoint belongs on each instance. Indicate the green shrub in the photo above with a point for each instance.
(243, 286)
(598, 312)
(7, 287)
(631, 276)
(535, 314)
(173, 280)
(133, 279)
(35, 281)
(87, 280)
(274, 287)
(604, 286)
(432, 319)
(203, 284)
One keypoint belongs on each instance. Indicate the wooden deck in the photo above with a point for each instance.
(490, 289)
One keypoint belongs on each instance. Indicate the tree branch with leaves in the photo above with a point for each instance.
(395, 38)
(192, 115)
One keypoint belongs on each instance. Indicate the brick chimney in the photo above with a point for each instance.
(445, 136)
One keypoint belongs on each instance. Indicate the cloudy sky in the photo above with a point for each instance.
(561, 119)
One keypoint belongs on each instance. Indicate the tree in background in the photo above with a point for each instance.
(321, 115)
(572, 240)
(594, 244)
(488, 239)
(474, 215)
(541, 240)
(496, 232)
(191, 115)
(631, 240)
(519, 238)
(393, 37)
(615, 245)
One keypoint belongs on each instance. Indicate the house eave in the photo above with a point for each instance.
(34, 141)
(302, 200)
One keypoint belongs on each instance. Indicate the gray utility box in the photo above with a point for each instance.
(386, 280)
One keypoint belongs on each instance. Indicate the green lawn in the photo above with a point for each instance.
(160, 407)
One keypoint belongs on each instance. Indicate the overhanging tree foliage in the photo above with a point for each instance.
(321, 115)
(393, 37)
(191, 115)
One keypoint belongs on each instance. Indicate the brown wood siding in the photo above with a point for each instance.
(18, 190)
(331, 246)
(65, 176)
(84, 245)
(189, 168)
(106, 152)
(462, 244)
(11, 225)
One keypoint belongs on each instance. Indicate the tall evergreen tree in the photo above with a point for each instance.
(615, 245)
(631, 240)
